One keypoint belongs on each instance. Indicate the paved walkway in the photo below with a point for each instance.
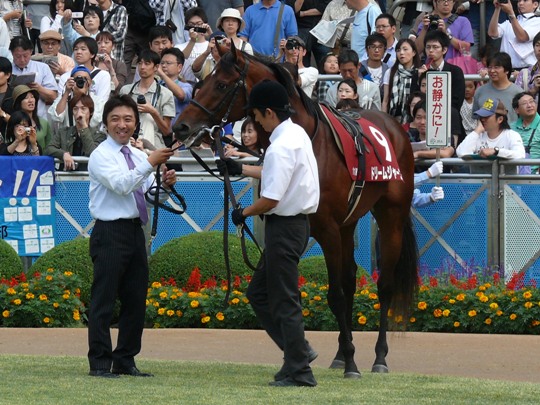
(498, 357)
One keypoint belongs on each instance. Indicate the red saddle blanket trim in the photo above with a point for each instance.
(385, 170)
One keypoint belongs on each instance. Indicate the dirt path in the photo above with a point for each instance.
(498, 357)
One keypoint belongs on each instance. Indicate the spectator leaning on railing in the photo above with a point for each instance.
(527, 125)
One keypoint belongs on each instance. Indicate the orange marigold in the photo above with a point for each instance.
(422, 305)
(362, 320)
(472, 313)
(513, 317)
(437, 313)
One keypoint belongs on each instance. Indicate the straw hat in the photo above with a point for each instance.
(230, 13)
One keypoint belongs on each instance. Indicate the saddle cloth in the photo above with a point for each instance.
(377, 147)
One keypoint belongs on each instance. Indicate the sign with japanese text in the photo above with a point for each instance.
(438, 104)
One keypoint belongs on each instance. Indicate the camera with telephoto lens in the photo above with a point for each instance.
(433, 22)
(292, 44)
(80, 81)
(141, 99)
(200, 30)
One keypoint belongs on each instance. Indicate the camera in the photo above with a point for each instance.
(141, 99)
(291, 44)
(170, 25)
(80, 81)
(100, 57)
(433, 22)
(77, 14)
(27, 130)
(200, 30)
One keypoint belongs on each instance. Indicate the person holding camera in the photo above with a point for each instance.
(518, 32)
(76, 85)
(172, 16)
(51, 42)
(206, 61)
(78, 140)
(458, 28)
(116, 22)
(92, 20)
(25, 99)
(20, 139)
(104, 61)
(294, 49)
(231, 23)
(198, 29)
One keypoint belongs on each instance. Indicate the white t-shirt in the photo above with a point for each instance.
(100, 87)
(309, 76)
(198, 49)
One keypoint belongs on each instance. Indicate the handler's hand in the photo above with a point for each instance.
(233, 167)
(237, 216)
(160, 156)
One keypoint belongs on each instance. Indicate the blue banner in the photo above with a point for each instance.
(27, 203)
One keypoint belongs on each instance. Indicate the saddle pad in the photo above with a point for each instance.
(385, 170)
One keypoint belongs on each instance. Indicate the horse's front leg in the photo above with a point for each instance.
(339, 298)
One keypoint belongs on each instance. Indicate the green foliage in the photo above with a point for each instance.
(178, 257)
(50, 299)
(10, 262)
(73, 256)
(313, 268)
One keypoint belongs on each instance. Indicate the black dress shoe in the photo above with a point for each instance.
(132, 371)
(289, 382)
(283, 373)
(103, 374)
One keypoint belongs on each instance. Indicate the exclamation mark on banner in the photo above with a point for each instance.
(18, 181)
(33, 178)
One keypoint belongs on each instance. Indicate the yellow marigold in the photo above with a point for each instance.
(205, 319)
(479, 293)
(68, 273)
(17, 301)
(236, 292)
(488, 321)
(49, 277)
(46, 320)
(472, 313)
(174, 296)
(373, 296)
(24, 285)
(499, 313)
(482, 288)
(484, 298)
(513, 317)
(317, 298)
(179, 313)
(398, 319)
(161, 311)
(452, 301)
(422, 305)
(527, 295)
(77, 290)
(362, 320)
(456, 324)
(29, 296)
(43, 297)
(365, 291)
(487, 285)
(193, 294)
(305, 312)
(535, 323)
(56, 305)
(494, 305)
(323, 288)
(156, 284)
(424, 288)
(235, 301)
(377, 306)
(528, 305)
(76, 315)
(412, 319)
(303, 294)
(460, 297)
(224, 288)
(437, 313)
(245, 300)
(50, 270)
(5, 314)
(147, 302)
(156, 304)
(390, 313)
(11, 291)
(65, 296)
(170, 312)
(446, 312)
(514, 299)
(67, 292)
(195, 303)
(220, 316)
(163, 294)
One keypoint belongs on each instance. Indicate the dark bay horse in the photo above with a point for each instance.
(223, 97)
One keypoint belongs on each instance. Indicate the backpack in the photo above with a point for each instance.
(141, 16)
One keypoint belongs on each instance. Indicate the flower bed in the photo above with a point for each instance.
(476, 304)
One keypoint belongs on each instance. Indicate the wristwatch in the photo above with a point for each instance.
(450, 37)
(496, 149)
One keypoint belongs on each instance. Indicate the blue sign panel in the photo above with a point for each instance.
(27, 198)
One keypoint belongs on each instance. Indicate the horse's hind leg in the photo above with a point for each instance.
(339, 296)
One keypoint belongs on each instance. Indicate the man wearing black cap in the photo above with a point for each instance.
(289, 192)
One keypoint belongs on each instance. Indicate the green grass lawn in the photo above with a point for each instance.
(64, 380)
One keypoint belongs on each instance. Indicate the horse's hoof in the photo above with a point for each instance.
(379, 368)
(337, 364)
(354, 375)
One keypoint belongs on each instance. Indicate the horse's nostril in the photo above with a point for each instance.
(181, 131)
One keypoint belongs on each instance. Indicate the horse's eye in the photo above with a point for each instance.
(221, 86)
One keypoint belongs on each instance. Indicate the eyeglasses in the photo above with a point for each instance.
(494, 67)
(382, 27)
(526, 103)
(445, 1)
(376, 47)
(167, 63)
(434, 47)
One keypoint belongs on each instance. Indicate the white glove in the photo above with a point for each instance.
(435, 169)
(437, 193)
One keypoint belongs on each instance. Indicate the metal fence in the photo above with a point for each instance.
(485, 219)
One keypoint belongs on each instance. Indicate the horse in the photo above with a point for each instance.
(223, 98)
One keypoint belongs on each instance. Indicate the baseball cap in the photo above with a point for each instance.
(269, 94)
(491, 107)
(80, 68)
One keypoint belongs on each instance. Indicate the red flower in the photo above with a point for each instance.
(433, 282)
(210, 283)
(516, 282)
(237, 282)
(301, 281)
(375, 276)
(496, 278)
(194, 281)
(473, 282)
(362, 282)
(454, 280)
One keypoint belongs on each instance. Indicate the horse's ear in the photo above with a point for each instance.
(223, 47)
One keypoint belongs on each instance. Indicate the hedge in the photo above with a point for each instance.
(10, 262)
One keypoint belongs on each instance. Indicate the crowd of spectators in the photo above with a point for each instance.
(60, 62)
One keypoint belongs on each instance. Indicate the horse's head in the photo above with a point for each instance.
(221, 99)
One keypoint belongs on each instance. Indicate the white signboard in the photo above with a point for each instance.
(439, 106)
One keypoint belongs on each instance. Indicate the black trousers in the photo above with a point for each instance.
(118, 252)
(273, 291)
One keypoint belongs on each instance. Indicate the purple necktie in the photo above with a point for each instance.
(139, 195)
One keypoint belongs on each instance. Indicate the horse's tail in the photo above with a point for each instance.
(406, 275)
